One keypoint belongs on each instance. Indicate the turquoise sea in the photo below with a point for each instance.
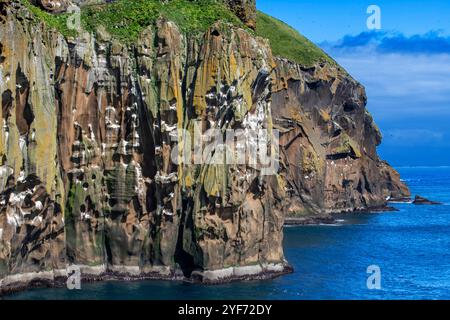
(411, 247)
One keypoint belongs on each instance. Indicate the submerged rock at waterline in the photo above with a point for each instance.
(418, 200)
(90, 123)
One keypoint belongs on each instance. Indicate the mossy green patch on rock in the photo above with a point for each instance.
(347, 146)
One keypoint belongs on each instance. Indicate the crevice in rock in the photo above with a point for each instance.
(2, 58)
(3, 12)
(24, 112)
(350, 106)
(146, 135)
(108, 250)
(338, 156)
(7, 101)
(184, 259)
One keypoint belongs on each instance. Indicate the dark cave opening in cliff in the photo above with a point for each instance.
(183, 258)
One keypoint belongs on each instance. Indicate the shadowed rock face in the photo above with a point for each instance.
(245, 10)
(87, 176)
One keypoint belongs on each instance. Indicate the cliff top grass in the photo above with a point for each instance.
(126, 19)
(288, 43)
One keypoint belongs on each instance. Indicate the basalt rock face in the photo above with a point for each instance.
(90, 127)
(88, 178)
(329, 140)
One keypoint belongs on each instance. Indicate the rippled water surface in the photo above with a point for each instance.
(412, 248)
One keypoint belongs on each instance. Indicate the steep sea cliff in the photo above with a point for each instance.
(92, 116)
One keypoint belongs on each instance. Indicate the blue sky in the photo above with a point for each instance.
(405, 66)
(321, 20)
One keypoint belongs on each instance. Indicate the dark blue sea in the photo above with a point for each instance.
(411, 247)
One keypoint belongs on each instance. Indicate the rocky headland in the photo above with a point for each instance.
(91, 117)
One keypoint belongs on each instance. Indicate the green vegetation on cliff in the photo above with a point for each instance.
(286, 42)
(58, 22)
(126, 19)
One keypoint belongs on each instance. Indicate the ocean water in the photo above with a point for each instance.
(411, 247)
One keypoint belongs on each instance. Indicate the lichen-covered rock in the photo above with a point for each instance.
(90, 126)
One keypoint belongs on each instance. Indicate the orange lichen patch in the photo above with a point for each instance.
(188, 181)
(296, 115)
(325, 115)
